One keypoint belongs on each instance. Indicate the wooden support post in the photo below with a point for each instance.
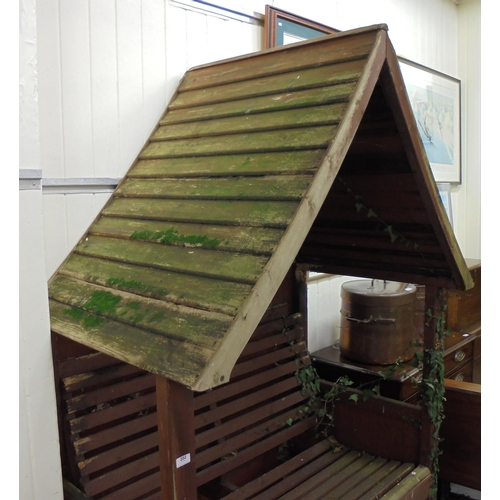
(435, 302)
(176, 436)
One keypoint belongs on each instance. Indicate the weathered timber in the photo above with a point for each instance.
(268, 188)
(276, 163)
(285, 99)
(191, 291)
(298, 117)
(202, 328)
(244, 239)
(271, 62)
(296, 80)
(153, 353)
(189, 260)
(277, 140)
(244, 213)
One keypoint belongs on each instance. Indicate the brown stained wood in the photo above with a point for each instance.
(377, 241)
(388, 482)
(394, 89)
(297, 117)
(296, 351)
(138, 405)
(231, 238)
(177, 456)
(123, 474)
(236, 424)
(273, 214)
(234, 388)
(114, 434)
(248, 316)
(290, 139)
(354, 46)
(140, 487)
(297, 468)
(232, 445)
(190, 260)
(342, 479)
(399, 259)
(414, 486)
(273, 342)
(108, 393)
(279, 187)
(372, 480)
(88, 379)
(235, 407)
(81, 364)
(285, 99)
(181, 289)
(460, 461)
(381, 426)
(373, 465)
(111, 457)
(178, 360)
(258, 163)
(201, 328)
(254, 451)
(71, 492)
(305, 488)
(294, 80)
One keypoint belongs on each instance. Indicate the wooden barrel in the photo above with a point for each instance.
(377, 321)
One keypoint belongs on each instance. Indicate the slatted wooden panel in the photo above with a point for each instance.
(109, 418)
(179, 247)
(375, 189)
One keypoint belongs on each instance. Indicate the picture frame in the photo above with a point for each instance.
(282, 27)
(435, 101)
(445, 195)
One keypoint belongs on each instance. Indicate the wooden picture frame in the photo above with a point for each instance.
(282, 27)
(435, 100)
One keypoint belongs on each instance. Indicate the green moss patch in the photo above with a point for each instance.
(172, 237)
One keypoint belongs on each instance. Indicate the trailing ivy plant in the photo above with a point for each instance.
(432, 384)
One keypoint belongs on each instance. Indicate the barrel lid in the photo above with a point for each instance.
(373, 289)
(379, 287)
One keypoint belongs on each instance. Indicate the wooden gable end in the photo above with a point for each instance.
(178, 269)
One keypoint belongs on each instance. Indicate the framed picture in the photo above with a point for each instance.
(435, 100)
(445, 195)
(282, 28)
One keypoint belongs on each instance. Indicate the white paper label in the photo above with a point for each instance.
(184, 460)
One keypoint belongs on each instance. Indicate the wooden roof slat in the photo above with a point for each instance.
(133, 345)
(191, 291)
(245, 213)
(256, 240)
(280, 187)
(275, 163)
(191, 260)
(277, 140)
(285, 99)
(297, 79)
(239, 172)
(201, 327)
(327, 114)
(353, 46)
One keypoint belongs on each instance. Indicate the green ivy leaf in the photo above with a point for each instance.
(353, 397)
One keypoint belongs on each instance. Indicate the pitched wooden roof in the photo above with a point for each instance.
(237, 182)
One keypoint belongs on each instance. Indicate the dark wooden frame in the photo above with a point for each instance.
(273, 16)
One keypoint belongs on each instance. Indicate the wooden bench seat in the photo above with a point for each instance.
(254, 438)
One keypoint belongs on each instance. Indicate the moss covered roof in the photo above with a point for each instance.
(235, 184)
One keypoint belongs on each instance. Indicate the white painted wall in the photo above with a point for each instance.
(96, 77)
(39, 462)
